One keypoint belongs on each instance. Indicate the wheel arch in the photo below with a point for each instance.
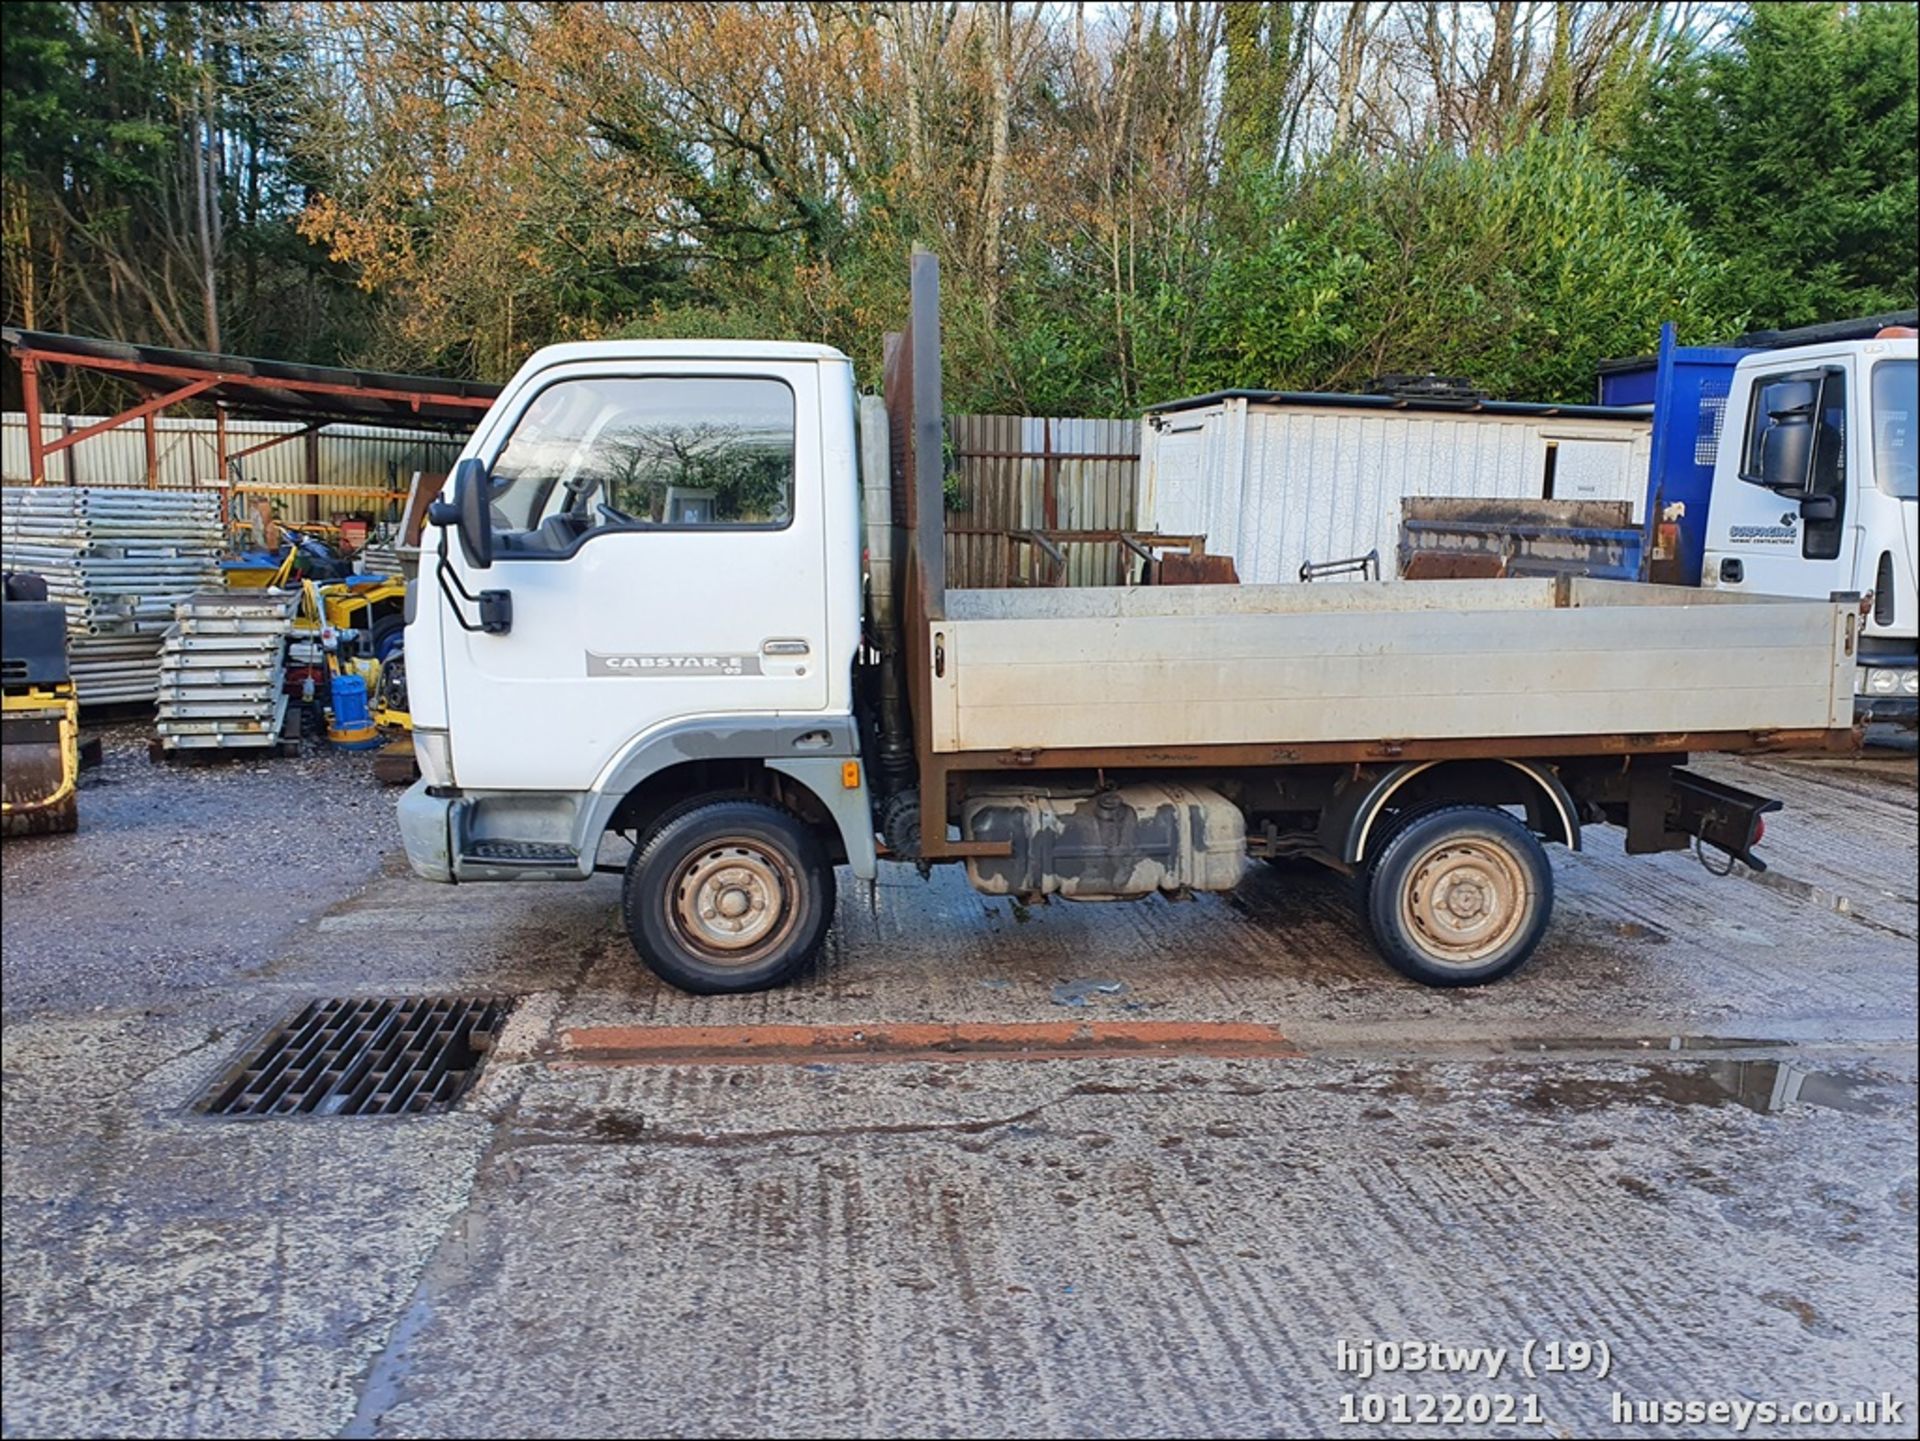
(743, 757)
(1351, 824)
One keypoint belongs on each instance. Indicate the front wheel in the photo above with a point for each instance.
(1459, 896)
(729, 897)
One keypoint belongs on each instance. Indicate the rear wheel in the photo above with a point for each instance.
(732, 896)
(1459, 896)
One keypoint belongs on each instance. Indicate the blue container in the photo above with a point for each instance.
(352, 720)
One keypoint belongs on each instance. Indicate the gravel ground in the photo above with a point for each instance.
(183, 876)
(1686, 1131)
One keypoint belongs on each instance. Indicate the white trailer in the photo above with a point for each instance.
(1278, 479)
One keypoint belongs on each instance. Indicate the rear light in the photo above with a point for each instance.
(1759, 831)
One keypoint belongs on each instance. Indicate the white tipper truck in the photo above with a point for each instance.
(645, 609)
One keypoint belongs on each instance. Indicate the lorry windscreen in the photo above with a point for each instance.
(1896, 444)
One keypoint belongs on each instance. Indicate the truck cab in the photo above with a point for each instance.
(672, 585)
(1816, 491)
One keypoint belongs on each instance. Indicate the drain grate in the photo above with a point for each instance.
(366, 1056)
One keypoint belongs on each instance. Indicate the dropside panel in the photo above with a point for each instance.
(1195, 680)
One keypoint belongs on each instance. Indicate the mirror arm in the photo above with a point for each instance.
(495, 606)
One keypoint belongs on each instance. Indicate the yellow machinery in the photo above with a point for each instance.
(374, 609)
(358, 624)
(39, 714)
(372, 605)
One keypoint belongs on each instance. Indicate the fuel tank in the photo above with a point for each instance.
(1115, 844)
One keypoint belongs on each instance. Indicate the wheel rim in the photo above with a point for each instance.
(732, 901)
(1464, 900)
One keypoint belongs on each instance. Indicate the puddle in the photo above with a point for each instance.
(1768, 1087)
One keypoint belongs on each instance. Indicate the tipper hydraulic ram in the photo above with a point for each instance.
(644, 610)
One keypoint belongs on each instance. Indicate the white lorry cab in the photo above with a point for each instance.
(653, 608)
(1816, 490)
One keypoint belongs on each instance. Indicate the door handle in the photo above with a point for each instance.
(785, 646)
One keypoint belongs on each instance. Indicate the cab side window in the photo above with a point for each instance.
(647, 453)
(1803, 400)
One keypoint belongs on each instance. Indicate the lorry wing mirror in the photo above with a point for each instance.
(470, 515)
(1786, 450)
(1820, 508)
(1795, 407)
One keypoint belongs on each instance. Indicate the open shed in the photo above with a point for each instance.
(257, 406)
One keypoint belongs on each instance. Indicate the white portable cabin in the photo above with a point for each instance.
(1279, 479)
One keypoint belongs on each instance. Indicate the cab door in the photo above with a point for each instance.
(1766, 541)
(659, 528)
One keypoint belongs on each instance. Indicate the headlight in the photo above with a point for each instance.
(1884, 680)
(433, 751)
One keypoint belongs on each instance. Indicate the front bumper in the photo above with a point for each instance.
(426, 829)
(1887, 692)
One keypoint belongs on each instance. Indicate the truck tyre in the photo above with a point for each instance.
(1459, 896)
(728, 897)
(1385, 829)
(388, 636)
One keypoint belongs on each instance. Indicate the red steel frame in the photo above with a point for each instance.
(193, 382)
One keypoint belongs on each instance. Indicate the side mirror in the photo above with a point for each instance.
(1820, 508)
(470, 514)
(1785, 461)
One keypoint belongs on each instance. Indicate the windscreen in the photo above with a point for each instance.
(1896, 448)
(653, 451)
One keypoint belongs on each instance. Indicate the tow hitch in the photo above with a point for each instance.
(1719, 815)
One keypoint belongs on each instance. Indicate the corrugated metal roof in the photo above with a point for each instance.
(272, 389)
(1334, 400)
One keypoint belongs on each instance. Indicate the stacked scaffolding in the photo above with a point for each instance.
(119, 560)
(223, 670)
(379, 557)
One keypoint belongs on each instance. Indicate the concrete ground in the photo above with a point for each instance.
(1680, 1145)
